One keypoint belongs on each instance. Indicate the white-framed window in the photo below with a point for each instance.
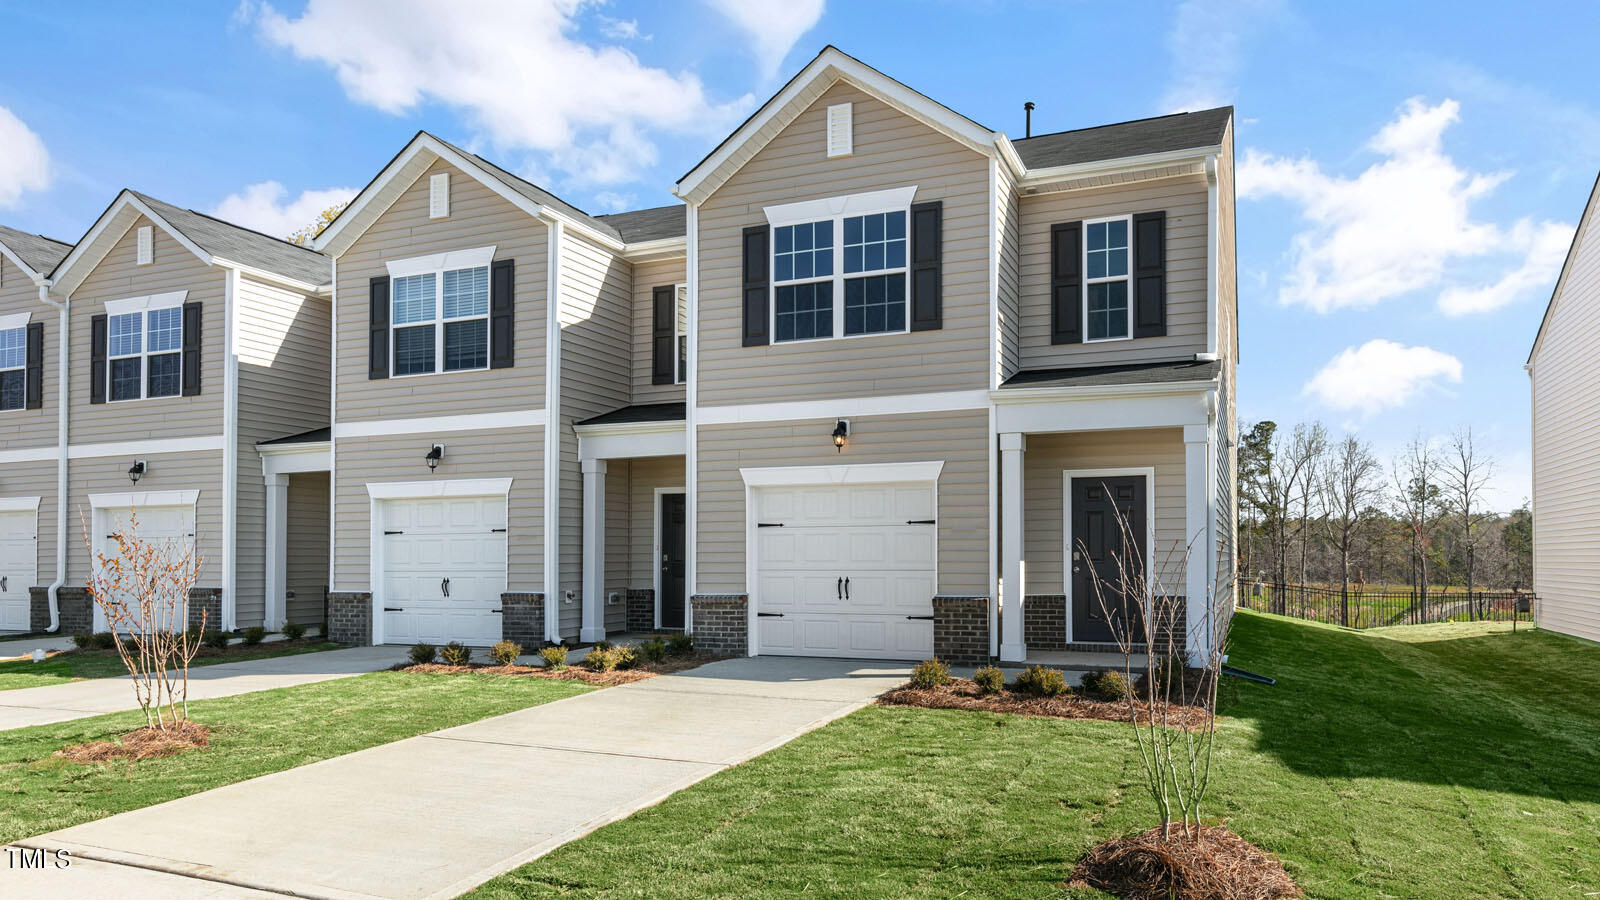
(680, 331)
(1106, 286)
(144, 353)
(440, 321)
(13, 368)
(843, 276)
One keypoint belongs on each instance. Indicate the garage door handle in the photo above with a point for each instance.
(496, 611)
(445, 587)
(838, 588)
(921, 618)
(2, 584)
(769, 524)
(847, 589)
(761, 615)
(919, 521)
(393, 609)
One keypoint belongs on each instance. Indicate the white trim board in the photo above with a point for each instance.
(19, 504)
(292, 458)
(476, 258)
(15, 320)
(423, 490)
(135, 499)
(144, 448)
(630, 445)
(1149, 473)
(849, 473)
(527, 418)
(148, 301)
(844, 407)
(891, 200)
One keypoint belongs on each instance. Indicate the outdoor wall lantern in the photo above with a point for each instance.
(841, 430)
(435, 453)
(136, 471)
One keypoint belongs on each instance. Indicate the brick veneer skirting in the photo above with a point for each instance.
(350, 618)
(207, 602)
(522, 619)
(1044, 622)
(961, 629)
(722, 623)
(74, 607)
(641, 609)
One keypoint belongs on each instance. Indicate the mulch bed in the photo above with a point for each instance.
(144, 743)
(1212, 864)
(574, 672)
(962, 693)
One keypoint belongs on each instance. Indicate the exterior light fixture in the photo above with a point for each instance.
(841, 430)
(136, 471)
(435, 453)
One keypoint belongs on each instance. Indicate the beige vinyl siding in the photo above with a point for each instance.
(960, 439)
(1044, 518)
(29, 479)
(1228, 347)
(646, 278)
(1566, 446)
(478, 218)
(116, 276)
(1007, 217)
(284, 356)
(1184, 200)
(890, 150)
(306, 550)
(200, 470)
(21, 428)
(506, 453)
(649, 473)
(618, 498)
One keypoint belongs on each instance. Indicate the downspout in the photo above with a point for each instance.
(552, 431)
(63, 308)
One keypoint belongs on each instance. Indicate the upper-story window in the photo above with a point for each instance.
(681, 333)
(1105, 282)
(859, 258)
(13, 368)
(441, 321)
(145, 353)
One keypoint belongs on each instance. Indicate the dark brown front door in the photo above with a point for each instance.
(673, 535)
(1099, 541)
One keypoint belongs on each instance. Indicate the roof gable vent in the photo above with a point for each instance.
(439, 195)
(840, 139)
(146, 245)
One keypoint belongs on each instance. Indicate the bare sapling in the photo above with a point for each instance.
(141, 587)
(1171, 667)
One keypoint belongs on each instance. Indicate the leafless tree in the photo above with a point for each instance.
(1466, 472)
(1415, 474)
(1307, 451)
(1348, 485)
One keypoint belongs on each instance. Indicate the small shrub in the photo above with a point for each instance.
(104, 640)
(1106, 684)
(83, 640)
(990, 679)
(216, 640)
(930, 673)
(653, 650)
(603, 645)
(1040, 681)
(253, 635)
(602, 659)
(627, 657)
(680, 644)
(294, 631)
(322, 629)
(505, 653)
(423, 653)
(455, 653)
(555, 658)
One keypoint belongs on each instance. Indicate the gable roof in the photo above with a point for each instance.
(655, 224)
(212, 241)
(35, 254)
(532, 191)
(1161, 134)
(1584, 221)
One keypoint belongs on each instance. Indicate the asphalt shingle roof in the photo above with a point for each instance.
(1181, 131)
(639, 412)
(314, 436)
(649, 224)
(236, 243)
(42, 254)
(1128, 373)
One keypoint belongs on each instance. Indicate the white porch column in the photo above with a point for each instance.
(594, 550)
(1197, 536)
(277, 550)
(1013, 647)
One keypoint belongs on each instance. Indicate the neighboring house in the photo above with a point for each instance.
(190, 340)
(30, 342)
(1566, 442)
(857, 396)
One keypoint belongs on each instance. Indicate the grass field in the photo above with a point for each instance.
(79, 665)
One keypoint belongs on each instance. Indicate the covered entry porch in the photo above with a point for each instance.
(295, 476)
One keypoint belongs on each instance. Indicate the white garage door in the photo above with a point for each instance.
(170, 525)
(444, 569)
(846, 570)
(19, 559)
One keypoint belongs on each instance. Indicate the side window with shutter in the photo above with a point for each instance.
(33, 380)
(502, 314)
(926, 263)
(663, 334)
(756, 281)
(378, 327)
(192, 358)
(97, 358)
(1150, 274)
(1066, 283)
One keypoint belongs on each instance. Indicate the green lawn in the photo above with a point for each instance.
(1449, 761)
(79, 665)
(252, 734)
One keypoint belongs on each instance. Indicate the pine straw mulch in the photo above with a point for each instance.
(574, 672)
(1214, 864)
(962, 693)
(141, 744)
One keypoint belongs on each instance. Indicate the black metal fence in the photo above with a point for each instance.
(1368, 607)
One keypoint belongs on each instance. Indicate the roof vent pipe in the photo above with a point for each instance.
(1027, 112)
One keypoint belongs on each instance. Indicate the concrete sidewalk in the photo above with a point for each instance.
(63, 702)
(433, 816)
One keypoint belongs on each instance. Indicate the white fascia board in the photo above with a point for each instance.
(654, 251)
(143, 499)
(145, 448)
(1104, 414)
(477, 257)
(16, 260)
(1010, 156)
(126, 305)
(424, 490)
(1120, 165)
(282, 280)
(1017, 396)
(528, 418)
(851, 473)
(288, 459)
(631, 444)
(86, 247)
(849, 205)
(844, 407)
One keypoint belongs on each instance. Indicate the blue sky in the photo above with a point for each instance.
(1409, 173)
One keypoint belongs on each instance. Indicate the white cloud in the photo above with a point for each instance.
(1546, 246)
(267, 207)
(1380, 374)
(612, 201)
(1404, 224)
(515, 69)
(25, 163)
(773, 26)
(621, 29)
(1207, 42)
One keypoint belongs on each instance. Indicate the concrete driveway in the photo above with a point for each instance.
(435, 815)
(76, 700)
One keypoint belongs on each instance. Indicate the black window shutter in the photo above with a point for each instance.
(97, 358)
(502, 317)
(191, 349)
(1150, 274)
(34, 379)
(663, 334)
(1066, 283)
(756, 287)
(927, 252)
(378, 328)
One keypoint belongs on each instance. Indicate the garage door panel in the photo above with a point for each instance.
(166, 525)
(19, 558)
(429, 542)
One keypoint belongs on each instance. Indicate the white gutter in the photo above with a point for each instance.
(1051, 393)
(1117, 165)
(62, 382)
